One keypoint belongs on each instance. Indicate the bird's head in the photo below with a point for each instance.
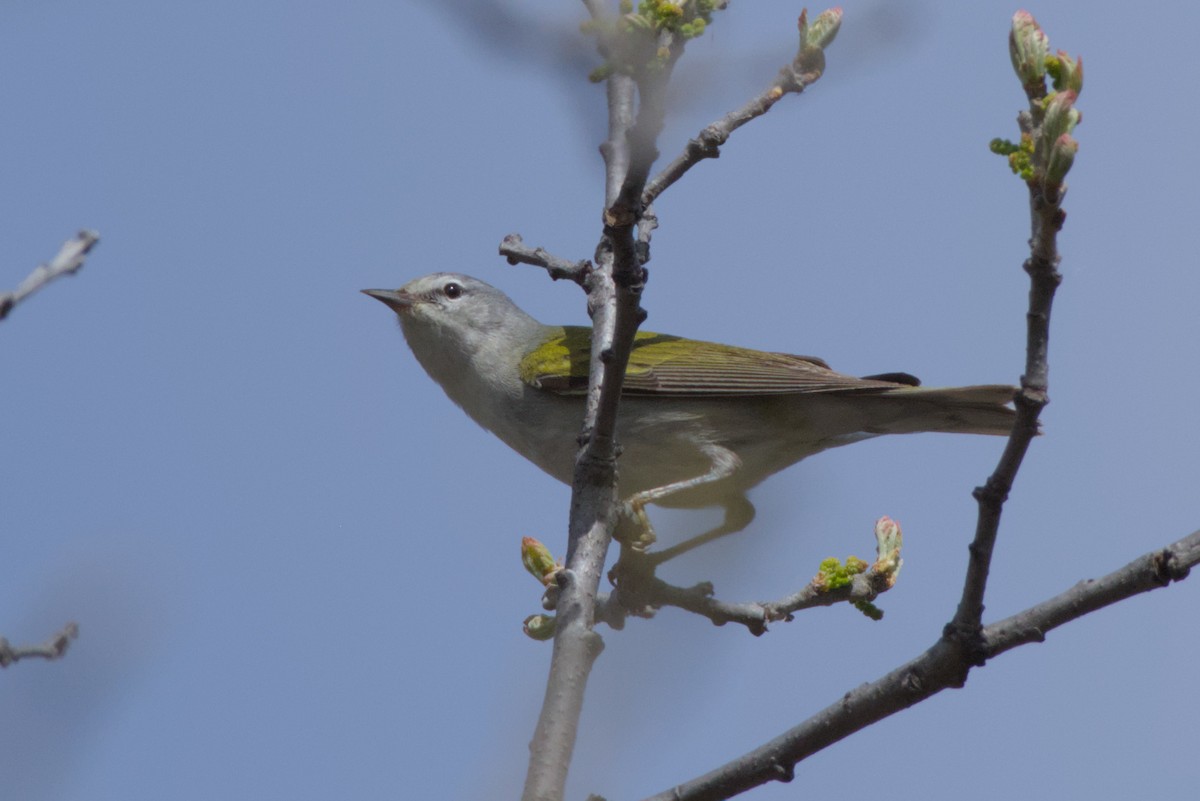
(452, 320)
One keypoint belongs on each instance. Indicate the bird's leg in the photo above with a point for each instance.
(724, 463)
(738, 514)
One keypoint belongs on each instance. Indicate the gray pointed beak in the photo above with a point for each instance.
(395, 299)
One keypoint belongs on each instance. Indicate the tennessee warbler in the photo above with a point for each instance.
(700, 423)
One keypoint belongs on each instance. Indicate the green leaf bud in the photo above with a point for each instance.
(1062, 156)
(539, 627)
(823, 30)
(1003, 147)
(889, 539)
(869, 609)
(1028, 48)
(1065, 72)
(538, 560)
(1060, 116)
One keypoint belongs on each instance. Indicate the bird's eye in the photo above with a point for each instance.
(453, 290)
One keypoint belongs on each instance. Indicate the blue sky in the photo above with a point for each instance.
(295, 563)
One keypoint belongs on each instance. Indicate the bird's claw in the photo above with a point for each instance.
(640, 535)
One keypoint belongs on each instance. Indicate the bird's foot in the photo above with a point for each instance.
(636, 533)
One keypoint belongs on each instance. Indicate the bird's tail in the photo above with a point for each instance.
(981, 409)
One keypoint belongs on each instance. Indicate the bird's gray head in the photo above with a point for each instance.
(451, 319)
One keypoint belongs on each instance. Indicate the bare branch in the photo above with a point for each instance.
(1047, 218)
(707, 143)
(944, 665)
(965, 643)
(1148, 572)
(639, 592)
(614, 289)
(69, 259)
(621, 93)
(756, 615)
(52, 648)
(517, 252)
(806, 68)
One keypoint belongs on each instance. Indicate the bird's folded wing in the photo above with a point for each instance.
(665, 365)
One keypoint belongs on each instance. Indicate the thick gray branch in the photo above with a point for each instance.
(943, 666)
(636, 109)
(613, 304)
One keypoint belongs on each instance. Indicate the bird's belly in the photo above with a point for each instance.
(691, 440)
(669, 441)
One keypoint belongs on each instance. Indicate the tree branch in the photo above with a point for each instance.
(1043, 160)
(69, 259)
(614, 287)
(1046, 193)
(754, 615)
(613, 303)
(52, 648)
(640, 592)
(944, 665)
(516, 251)
(806, 68)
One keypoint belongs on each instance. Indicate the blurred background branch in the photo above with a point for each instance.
(52, 648)
(67, 261)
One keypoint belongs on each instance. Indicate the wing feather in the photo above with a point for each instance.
(663, 365)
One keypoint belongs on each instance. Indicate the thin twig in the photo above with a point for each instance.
(965, 643)
(69, 259)
(640, 592)
(516, 251)
(793, 78)
(942, 666)
(1047, 219)
(52, 648)
(707, 143)
(756, 615)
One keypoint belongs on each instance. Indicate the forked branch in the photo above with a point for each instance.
(640, 55)
(944, 665)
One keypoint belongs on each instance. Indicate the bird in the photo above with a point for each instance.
(699, 423)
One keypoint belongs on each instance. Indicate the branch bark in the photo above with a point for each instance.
(613, 290)
(51, 649)
(636, 108)
(943, 665)
(67, 261)
(1046, 220)
(792, 79)
(516, 251)
(754, 615)
(965, 642)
